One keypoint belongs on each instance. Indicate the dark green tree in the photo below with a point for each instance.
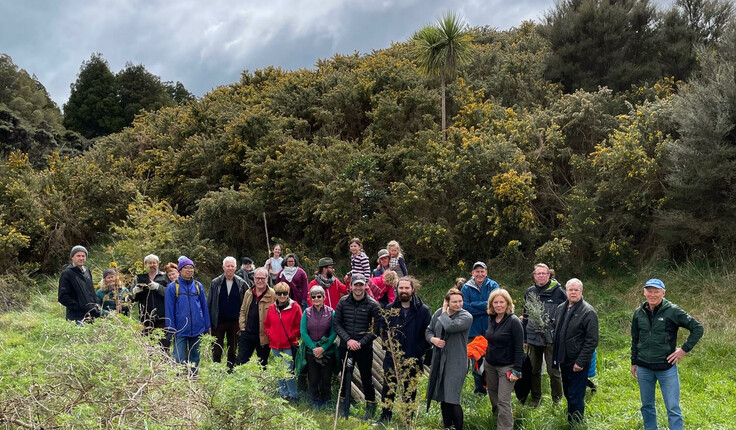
(702, 163)
(93, 109)
(178, 93)
(601, 43)
(29, 120)
(138, 89)
(686, 25)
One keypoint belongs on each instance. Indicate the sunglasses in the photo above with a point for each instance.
(317, 296)
(282, 293)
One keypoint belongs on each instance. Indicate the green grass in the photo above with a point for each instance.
(708, 395)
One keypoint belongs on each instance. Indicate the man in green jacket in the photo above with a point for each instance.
(654, 352)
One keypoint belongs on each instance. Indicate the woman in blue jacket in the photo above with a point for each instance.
(187, 314)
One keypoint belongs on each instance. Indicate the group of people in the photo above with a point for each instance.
(273, 311)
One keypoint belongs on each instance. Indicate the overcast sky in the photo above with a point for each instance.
(205, 44)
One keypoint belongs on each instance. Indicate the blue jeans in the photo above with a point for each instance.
(669, 385)
(287, 387)
(186, 349)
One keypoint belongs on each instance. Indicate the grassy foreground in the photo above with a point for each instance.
(55, 375)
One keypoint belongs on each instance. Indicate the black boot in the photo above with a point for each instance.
(344, 409)
(370, 410)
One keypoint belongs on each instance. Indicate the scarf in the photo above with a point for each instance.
(324, 282)
(289, 273)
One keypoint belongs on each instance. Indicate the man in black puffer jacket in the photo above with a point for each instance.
(356, 318)
(76, 289)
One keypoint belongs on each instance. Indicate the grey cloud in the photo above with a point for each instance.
(207, 46)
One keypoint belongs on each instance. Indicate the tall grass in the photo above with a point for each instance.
(708, 394)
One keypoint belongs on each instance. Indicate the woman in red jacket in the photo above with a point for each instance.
(282, 326)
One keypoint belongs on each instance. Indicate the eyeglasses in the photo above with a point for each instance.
(282, 293)
(260, 278)
(317, 296)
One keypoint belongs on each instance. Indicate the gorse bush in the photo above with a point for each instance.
(106, 375)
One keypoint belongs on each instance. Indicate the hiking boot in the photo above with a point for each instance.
(534, 403)
(370, 410)
(344, 409)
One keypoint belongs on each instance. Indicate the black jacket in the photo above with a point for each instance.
(357, 320)
(213, 299)
(505, 342)
(77, 294)
(551, 297)
(151, 303)
(408, 331)
(580, 338)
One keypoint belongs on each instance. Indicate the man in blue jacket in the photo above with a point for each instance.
(187, 314)
(475, 300)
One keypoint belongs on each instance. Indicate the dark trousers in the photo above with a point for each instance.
(246, 347)
(536, 354)
(452, 415)
(388, 392)
(363, 359)
(148, 328)
(574, 385)
(320, 378)
(225, 330)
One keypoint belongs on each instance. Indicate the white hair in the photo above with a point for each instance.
(235, 262)
(574, 281)
(151, 257)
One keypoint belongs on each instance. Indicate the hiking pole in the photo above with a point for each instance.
(339, 391)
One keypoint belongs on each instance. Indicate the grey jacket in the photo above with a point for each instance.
(453, 358)
(213, 299)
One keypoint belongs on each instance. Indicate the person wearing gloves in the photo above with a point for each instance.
(149, 291)
(187, 315)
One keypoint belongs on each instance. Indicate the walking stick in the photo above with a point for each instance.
(339, 391)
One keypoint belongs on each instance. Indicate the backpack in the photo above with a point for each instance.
(196, 284)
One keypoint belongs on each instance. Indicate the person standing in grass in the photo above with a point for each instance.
(475, 300)
(654, 352)
(187, 315)
(76, 289)
(538, 332)
(282, 326)
(448, 333)
(504, 356)
(225, 298)
(576, 337)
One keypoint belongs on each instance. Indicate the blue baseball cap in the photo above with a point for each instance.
(654, 282)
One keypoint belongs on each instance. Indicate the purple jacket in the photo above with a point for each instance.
(298, 285)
